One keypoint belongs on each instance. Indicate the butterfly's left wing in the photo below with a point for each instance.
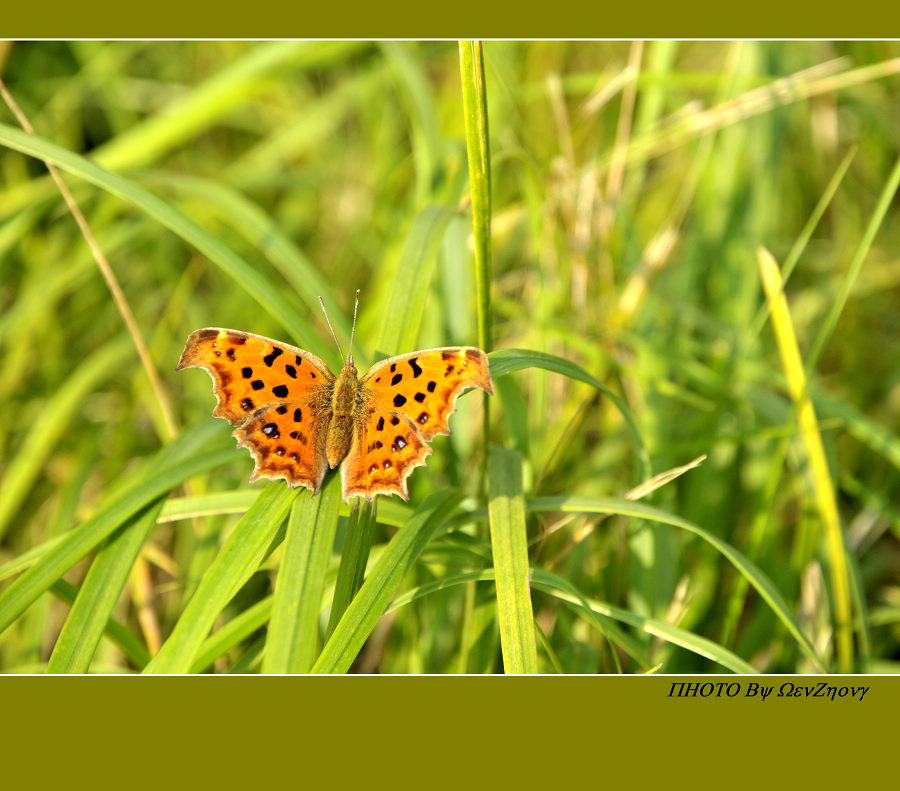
(277, 395)
(408, 400)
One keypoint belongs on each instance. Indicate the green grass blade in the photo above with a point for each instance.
(109, 573)
(558, 587)
(263, 290)
(232, 633)
(763, 585)
(78, 542)
(265, 233)
(61, 409)
(509, 542)
(507, 361)
(233, 502)
(402, 317)
(354, 558)
(293, 634)
(593, 610)
(134, 649)
(99, 593)
(237, 560)
(475, 114)
(602, 623)
(364, 611)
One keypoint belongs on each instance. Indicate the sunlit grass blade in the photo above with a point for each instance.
(265, 234)
(237, 560)
(131, 646)
(263, 290)
(99, 593)
(230, 502)
(507, 361)
(402, 316)
(603, 624)
(823, 486)
(109, 573)
(367, 607)
(236, 630)
(593, 610)
(475, 115)
(78, 542)
(293, 634)
(60, 410)
(608, 505)
(554, 585)
(510, 551)
(354, 557)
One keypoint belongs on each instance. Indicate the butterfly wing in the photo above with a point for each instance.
(278, 396)
(408, 400)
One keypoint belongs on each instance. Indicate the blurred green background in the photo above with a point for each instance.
(632, 185)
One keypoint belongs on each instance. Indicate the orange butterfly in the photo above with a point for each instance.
(298, 419)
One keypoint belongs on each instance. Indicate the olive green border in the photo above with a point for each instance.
(461, 19)
(445, 732)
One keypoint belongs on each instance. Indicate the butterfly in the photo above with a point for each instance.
(298, 419)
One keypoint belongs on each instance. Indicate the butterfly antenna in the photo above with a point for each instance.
(328, 321)
(353, 328)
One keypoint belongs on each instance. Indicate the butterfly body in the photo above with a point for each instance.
(346, 405)
(298, 419)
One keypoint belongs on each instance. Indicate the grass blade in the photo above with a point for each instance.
(354, 558)
(237, 560)
(475, 114)
(557, 587)
(24, 468)
(409, 291)
(507, 361)
(509, 542)
(77, 543)
(826, 501)
(293, 634)
(263, 290)
(363, 613)
(232, 633)
(131, 646)
(99, 593)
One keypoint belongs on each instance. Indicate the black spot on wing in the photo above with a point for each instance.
(399, 400)
(417, 371)
(246, 372)
(247, 404)
(269, 359)
(257, 384)
(396, 379)
(420, 397)
(282, 410)
(280, 391)
(290, 371)
(431, 386)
